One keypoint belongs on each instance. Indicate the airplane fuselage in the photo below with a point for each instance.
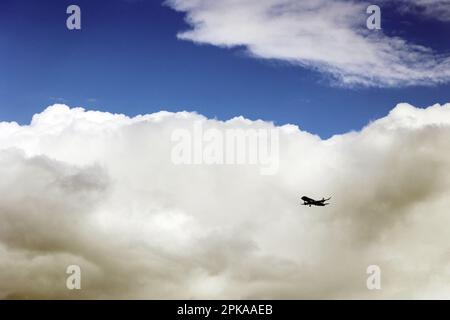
(311, 202)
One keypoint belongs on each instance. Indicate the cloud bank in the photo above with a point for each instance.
(99, 190)
(327, 35)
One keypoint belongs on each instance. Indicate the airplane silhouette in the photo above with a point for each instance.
(311, 202)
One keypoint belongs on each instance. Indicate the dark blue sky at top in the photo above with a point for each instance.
(127, 59)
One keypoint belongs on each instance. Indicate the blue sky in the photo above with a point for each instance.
(127, 59)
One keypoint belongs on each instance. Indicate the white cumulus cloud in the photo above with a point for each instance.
(99, 190)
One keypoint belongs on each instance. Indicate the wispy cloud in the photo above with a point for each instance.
(58, 99)
(326, 35)
(434, 9)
